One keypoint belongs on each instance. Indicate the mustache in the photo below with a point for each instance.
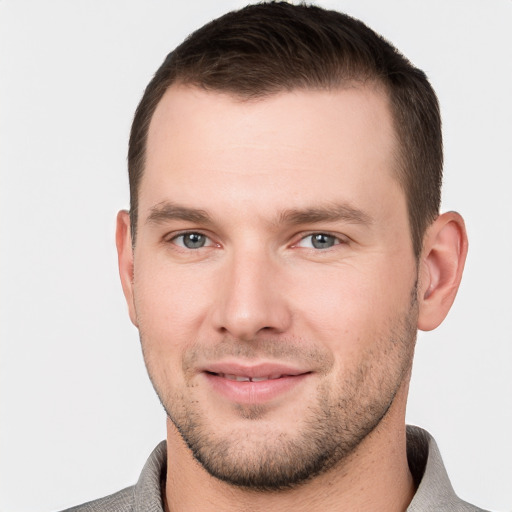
(282, 350)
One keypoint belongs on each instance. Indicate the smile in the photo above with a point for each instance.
(256, 385)
(243, 378)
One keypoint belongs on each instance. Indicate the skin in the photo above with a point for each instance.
(256, 180)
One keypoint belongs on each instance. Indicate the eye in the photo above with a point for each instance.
(319, 241)
(192, 240)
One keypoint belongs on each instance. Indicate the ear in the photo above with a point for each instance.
(442, 261)
(125, 260)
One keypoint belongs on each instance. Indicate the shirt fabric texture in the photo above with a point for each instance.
(434, 491)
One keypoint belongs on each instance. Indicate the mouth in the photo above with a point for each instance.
(246, 378)
(259, 384)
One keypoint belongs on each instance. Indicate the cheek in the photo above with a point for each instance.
(170, 304)
(354, 304)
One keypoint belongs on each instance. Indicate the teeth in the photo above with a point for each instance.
(240, 378)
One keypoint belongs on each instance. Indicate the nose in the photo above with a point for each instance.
(252, 297)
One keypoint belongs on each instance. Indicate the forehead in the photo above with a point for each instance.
(289, 147)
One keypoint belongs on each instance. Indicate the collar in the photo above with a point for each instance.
(434, 491)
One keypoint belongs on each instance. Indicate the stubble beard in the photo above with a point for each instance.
(331, 429)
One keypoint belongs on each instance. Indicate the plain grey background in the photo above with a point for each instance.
(78, 415)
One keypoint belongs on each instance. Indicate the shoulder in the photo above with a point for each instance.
(434, 491)
(144, 496)
(121, 501)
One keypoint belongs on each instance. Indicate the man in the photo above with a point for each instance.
(282, 248)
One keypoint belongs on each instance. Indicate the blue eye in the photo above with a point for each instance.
(192, 240)
(319, 241)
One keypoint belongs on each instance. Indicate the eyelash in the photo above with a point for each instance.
(338, 240)
(182, 234)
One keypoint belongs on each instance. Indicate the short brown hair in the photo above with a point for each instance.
(272, 47)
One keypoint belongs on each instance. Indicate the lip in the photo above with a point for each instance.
(283, 379)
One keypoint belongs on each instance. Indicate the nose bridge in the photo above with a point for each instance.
(250, 296)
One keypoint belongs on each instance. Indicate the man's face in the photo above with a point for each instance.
(274, 277)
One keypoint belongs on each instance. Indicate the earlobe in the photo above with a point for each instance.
(441, 265)
(125, 260)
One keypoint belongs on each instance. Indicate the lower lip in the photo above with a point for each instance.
(254, 392)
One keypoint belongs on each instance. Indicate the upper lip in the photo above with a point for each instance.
(259, 370)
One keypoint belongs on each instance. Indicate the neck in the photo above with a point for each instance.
(375, 476)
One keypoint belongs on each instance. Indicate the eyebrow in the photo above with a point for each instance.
(167, 211)
(329, 213)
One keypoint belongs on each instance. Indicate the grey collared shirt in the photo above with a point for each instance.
(434, 491)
